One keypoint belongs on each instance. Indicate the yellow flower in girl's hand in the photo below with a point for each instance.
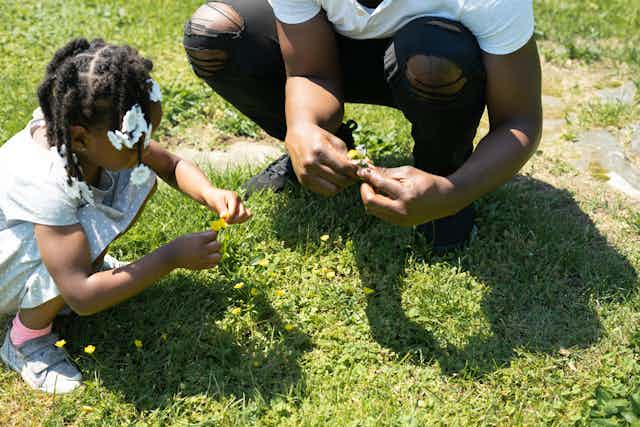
(90, 349)
(218, 224)
(60, 343)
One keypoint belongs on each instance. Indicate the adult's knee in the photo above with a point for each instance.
(206, 37)
(434, 78)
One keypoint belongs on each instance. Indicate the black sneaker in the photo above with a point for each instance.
(449, 233)
(280, 172)
(273, 177)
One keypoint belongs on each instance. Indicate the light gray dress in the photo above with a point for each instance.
(33, 190)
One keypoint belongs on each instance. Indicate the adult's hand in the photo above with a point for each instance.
(406, 196)
(320, 159)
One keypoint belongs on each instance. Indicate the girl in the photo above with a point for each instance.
(74, 180)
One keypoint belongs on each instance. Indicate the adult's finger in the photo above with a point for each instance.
(339, 162)
(325, 171)
(376, 177)
(379, 202)
(321, 186)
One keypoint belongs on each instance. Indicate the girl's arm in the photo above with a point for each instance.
(189, 179)
(65, 252)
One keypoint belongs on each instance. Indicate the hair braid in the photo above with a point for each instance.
(87, 84)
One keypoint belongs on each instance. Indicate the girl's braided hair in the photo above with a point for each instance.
(90, 83)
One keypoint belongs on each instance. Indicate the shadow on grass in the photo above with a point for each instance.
(188, 349)
(542, 259)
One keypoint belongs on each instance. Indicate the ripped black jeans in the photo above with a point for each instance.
(431, 70)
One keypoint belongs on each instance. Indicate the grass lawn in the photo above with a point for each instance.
(341, 319)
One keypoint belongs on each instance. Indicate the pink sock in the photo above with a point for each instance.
(20, 334)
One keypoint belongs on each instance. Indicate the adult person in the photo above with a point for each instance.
(290, 65)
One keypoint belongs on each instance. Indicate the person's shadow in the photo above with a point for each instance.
(190, 345)
(538, 263)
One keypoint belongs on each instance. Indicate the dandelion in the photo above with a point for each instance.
(369, 291)
(218, 224)
(289, 327)
(263, 262)
(331, 275)
(239, 285)
(236, 311)
(324, 237)
(280, 293)
(60, 343)
(254, 292)
(137, 343)
(90, 349)
(164, 337)
(88, 409)
(353, 154)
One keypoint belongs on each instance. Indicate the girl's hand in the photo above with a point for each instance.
(196, 251)
(228, 205)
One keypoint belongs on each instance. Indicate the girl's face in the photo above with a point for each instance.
(94, 148)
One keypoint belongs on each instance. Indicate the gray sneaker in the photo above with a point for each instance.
(42, 365)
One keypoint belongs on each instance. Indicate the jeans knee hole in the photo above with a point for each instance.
(433, 77)
(206, 62)
(216, 18)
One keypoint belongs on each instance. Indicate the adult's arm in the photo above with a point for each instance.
(408, 196)
(314, 105)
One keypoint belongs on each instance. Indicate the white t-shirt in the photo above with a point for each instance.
(501, 26)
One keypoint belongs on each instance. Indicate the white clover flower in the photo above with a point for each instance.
(155, 94)
(139, 175)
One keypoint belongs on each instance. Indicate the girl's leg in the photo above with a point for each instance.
(41, 317)
(29, 349)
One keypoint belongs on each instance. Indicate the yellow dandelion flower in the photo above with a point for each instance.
(324, 237)
(90, 349)
(164, 337)
(137, 343)
(236, 311)
(331, 275)
(88, 409)
(263, 262)
(369, 291)
(60, 343)
(289, 327)
(354, 154)
(280, 293)
(254, 292)
(239, 285)
(218, 224)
